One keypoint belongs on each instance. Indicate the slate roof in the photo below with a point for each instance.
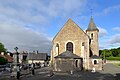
(95, 57)
(68, 54)
(37, 56)
(92, 25)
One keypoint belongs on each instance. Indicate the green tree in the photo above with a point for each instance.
(2, 48)
(3, 60)
(110, 52)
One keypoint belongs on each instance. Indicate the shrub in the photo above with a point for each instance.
(3, 60)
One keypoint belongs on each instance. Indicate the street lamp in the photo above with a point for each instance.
(18, 68)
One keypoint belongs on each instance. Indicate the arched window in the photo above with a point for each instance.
(69, 46)
(91, 36)
(95, 61)
(57, 48)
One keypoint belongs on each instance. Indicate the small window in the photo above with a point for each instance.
(95, 61)
(76, 63)
(91, 36)
(57, 45)
(83, 43)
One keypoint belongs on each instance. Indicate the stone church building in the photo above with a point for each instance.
(73, 49)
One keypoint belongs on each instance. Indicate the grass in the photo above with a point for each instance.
(117, 64)
(113, 58)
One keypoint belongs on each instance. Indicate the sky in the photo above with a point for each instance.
(32, 24)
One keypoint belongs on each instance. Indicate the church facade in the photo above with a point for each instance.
(73, 49)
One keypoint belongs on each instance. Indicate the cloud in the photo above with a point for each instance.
(38, 11)
(102, 32)
(117, 29)
(108, 10)
(13, 35)
(22, 21)
(115, 39)
(21, 11)
(110, 42)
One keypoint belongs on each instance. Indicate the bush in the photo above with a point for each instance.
(3, 60)
(113, 58)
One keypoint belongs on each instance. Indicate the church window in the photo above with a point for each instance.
(57, 45)
(95, 61)
(69, 47)
(57, 49)
(92, 36)
(83, 43)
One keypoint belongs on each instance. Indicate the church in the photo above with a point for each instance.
(75, 49)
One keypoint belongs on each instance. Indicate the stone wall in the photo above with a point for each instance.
(94, 42)
(66, 65)
(71, 32)
(97, 66)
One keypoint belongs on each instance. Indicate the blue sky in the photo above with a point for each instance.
(32, 24)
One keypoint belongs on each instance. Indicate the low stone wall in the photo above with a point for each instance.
(112, 61)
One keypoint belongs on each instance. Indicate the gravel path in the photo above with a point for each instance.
(110, 72)
(111, 69)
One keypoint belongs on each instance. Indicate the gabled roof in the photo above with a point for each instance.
(95, 57)
(92, 26)
(69, 21)
(68, 54)
(37, 56)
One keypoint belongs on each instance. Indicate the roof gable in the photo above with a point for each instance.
(95, 57)
(70, 24)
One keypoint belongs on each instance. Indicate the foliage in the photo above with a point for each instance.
(113, 58)
(2, 49)
(118, 64)
(3, 60)
(110, 54)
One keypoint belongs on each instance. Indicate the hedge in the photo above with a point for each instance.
(113, 58)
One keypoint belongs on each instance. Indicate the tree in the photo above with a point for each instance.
(2, 49)
(3, 60)
(110, 52)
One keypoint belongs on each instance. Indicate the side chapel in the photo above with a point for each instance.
(73, 49)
